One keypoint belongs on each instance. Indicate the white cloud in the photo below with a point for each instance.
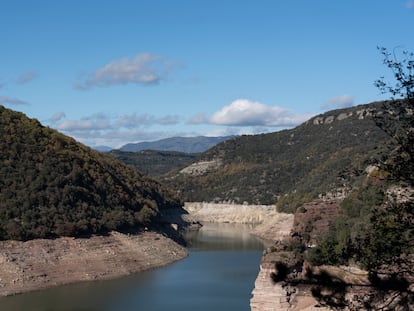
(82, 125)
(98, 121)
(134, 120)
(26, 77)
(101, 129)
(144, 69)
(342, 101)
(240, 117)
(4, 100)
(199, 118)
(119, 137)
(244, 112)
(169, 120)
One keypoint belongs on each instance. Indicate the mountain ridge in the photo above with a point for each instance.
(312, 159)
(180, 144)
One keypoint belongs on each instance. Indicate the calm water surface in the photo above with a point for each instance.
(219, 274)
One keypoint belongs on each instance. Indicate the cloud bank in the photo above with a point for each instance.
(242, 116)
(143, 69)
(102, 129)
(244, 112)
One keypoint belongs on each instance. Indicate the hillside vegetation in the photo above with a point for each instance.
(51, 185)
(291, 166)
(154, 162)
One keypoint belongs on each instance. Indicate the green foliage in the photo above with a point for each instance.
(347, 239)
(334, 247)
(289, 203)
(50, 185)
(391, 234)
(402, 71)
(382, 230)
(360, 202)
(155, 163)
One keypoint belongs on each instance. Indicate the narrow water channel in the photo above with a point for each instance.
(219, 274)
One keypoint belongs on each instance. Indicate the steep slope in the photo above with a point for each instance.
(311, 159)
(180, 144)
(51, 185)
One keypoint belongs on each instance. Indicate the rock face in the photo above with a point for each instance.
(201, 167)
(315, 218)
(266, 294)
(38, 264)
(233, 213)
(271, 296)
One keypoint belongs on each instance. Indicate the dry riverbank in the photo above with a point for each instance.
(39, 264)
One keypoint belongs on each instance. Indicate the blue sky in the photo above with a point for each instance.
(114, 72)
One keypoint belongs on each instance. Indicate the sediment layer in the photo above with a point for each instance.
(39, 264)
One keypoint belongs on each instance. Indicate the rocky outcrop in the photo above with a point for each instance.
(360, 114)
(201, 167)
(39, 264)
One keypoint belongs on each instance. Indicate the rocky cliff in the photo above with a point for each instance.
(271, 295)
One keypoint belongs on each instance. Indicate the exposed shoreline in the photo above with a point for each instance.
(41, 264)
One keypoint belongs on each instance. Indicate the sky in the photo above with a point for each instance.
(114, 72)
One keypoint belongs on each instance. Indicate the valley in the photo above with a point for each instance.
(328, 198)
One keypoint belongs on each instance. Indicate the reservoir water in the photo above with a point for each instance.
(218, 275)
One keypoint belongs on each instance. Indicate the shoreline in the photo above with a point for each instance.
(40, 264)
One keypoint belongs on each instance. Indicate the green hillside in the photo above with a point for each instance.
(154, 162)
(316, 157)
(51, 185)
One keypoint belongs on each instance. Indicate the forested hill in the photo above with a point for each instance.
(296, 165)
(153, 162)
(51, 185)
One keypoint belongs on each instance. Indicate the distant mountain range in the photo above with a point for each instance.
(180, 144)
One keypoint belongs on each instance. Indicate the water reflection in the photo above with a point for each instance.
(218, 275)
(224, 237)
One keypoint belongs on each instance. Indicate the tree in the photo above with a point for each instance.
(386, 247)
(389, 245)
(396, 118)
(403, 72)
